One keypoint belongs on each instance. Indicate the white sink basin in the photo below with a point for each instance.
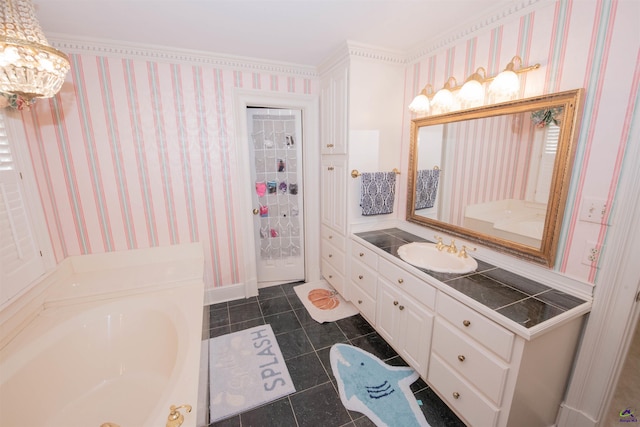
(425, 255)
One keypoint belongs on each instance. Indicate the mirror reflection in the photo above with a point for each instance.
(496, 174)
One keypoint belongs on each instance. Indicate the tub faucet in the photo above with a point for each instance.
(175, 418)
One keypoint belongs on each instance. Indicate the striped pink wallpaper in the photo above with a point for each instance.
(135, 153)
(487, 161)
(593, 45)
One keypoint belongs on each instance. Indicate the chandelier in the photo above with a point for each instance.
(29, 67)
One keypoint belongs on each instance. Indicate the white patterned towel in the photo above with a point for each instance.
(377, 193)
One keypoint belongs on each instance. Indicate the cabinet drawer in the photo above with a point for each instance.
(417, 288)
(486, 372)
(364, 302)
(364, 255)
(333, 256)
(333, 277)
(491, 335)
(364, 277)
(335, 238)
(460, 396)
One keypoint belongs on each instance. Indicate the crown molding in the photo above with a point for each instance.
(350, 49)
(375, 53)
(466, 30)
(70, 44)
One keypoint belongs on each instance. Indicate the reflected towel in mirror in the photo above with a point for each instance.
(426, 187)
(377, 193)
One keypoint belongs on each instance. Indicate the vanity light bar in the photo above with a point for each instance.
(420, 103)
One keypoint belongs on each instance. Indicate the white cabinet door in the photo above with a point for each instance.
(334, 186)
(416, 326)
(388, 315)
(334, 110)
(405, 324)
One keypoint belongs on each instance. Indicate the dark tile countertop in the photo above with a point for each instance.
(522, 300)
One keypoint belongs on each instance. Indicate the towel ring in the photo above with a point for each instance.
(355, 173)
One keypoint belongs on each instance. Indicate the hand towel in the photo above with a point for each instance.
(426, 187)
(378, 190)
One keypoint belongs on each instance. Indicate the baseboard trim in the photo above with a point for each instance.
(572, 417)
(225, 293)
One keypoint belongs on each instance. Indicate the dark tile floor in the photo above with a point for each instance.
(305, 345)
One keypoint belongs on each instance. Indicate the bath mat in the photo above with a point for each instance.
(375, 389)
(323, 303)
(246, 370)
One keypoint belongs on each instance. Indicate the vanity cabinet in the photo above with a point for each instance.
(333, 261)
(405, 324)
(364, 281)
(489, 370)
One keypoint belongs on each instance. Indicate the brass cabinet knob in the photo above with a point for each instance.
(330, 168)
(466, 322)
(256, 211)
(331, 236)
(329, 145)
(456, 395)
(396, 303)
(461, 357)
(400, 281)
(361, 254)
(330, 255)
(360, 277)
(401, 307)
(359, 301)
(330, 276)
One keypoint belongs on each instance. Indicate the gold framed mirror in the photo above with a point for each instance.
(497, 175)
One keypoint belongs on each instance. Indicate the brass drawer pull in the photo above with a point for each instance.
(396, 303)
(361, 254)
(330, 276)
(330, 168)
(359, 301)
(466, 322)
(330, 255)
(331, 236)
(456, 395)
(401, 307)
(461, 357)
(400, 281)
(360, 277)
(329, 145)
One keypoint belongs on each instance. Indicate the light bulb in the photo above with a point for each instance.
(420, 104)
(504, 87)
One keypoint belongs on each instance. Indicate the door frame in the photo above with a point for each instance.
(309, 105)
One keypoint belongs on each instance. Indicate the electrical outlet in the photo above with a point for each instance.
(591, 254)
(593, 210)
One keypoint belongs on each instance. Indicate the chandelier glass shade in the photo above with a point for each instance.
(29, 67)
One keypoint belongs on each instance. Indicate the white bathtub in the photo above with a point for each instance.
(114, 338)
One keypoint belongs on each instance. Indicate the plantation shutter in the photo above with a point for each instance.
(547, 162)
(20, 259)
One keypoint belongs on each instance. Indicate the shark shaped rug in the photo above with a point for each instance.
(375, 389)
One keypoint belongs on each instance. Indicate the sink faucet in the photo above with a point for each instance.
(452, 249)
(463, 251)
(439, 246)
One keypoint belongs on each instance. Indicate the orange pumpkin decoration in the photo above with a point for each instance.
(324, 299)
